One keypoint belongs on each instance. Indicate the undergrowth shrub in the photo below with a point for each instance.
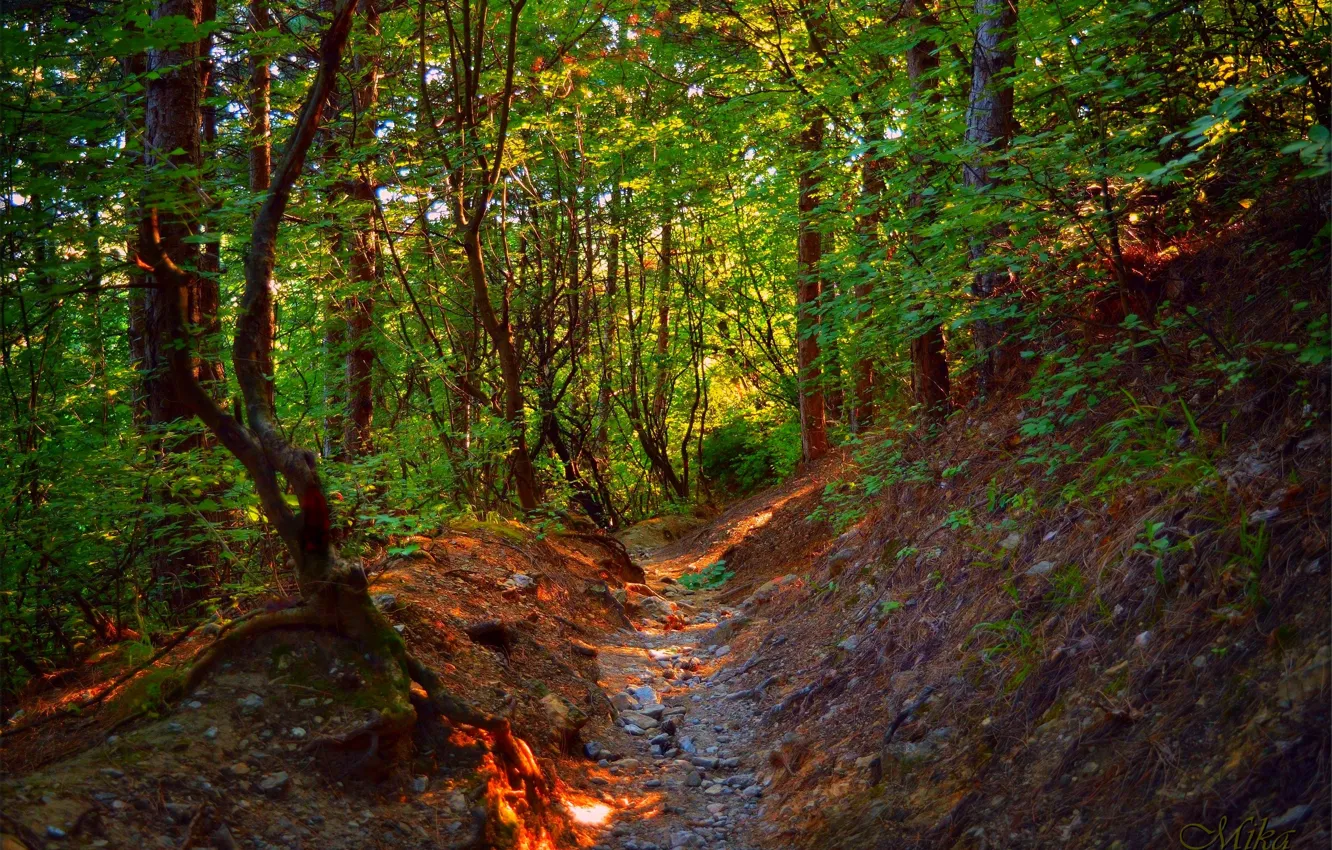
(751, 451)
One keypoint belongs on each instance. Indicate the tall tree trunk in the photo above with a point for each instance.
(660, 401)
(867, 228)
(501, 333)
(989, 127)
(208, 302)
(813, 431)
(172, 123)
(135, 66)
(929, 368)
(261, 168)
(359, 310)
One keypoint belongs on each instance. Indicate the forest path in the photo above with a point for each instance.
(678, 769)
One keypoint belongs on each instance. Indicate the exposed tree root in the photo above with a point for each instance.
(301, 616)
(343, 606)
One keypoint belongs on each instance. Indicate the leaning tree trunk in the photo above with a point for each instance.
(813, 431)
(335, 593)
(989, 127)
(501, 334)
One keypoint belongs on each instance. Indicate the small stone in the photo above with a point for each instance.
(222, 838)
(297, 733)
(850, 644)
(1011, 542)
(1292, 817)
(631, 729)
(55, 832)
(1142, 640)
(623, 702)
(458, 801)
(179, 812)
(655, 711)
(250, 704)
(753, 791)
(592, 750)
(1043, 568)
(274, 784)
(113, 773)
(210, 733)
(175, 727)
(721, 651)
(385, 602)
(195, 704)
(420, 784)
(520, 581)
(240, 768)
(694, 779)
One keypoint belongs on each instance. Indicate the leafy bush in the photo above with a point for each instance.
(750, 452)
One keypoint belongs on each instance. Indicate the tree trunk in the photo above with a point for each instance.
(813, 432)
(989, 127)
(261, 169)
(501, 333)
(211, 370)
(929, 368)
(359, 310)
(867, 227)
(660, 400)
(172, 124)
(172, 121)
(135, 66)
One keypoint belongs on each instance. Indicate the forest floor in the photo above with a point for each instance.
(679, 767)
(1126, 652)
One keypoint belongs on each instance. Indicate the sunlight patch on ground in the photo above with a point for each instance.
(592, 813)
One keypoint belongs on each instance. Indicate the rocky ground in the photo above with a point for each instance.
(677, 768)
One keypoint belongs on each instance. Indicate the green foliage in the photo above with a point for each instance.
(750, 452)
(711, 577)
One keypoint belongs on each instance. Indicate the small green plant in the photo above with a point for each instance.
(404, 551)
(888, 606)
(1010, 637)
(1068, 586)
(958, 519)
(958, 469)
(711, 577)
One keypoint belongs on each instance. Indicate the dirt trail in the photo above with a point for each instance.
(679, 767)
